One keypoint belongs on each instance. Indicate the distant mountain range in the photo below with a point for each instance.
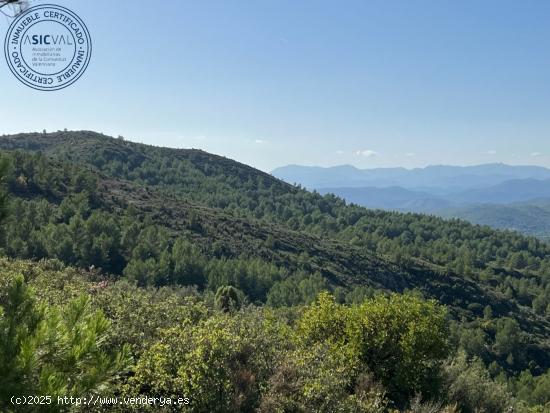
(433, 178)
(502, 196)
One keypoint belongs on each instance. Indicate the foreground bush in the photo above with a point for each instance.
(222, 364)
(401, 339)
(53, 351)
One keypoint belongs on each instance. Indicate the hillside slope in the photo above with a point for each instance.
(142, 211)
(531, 218)
(391, 198)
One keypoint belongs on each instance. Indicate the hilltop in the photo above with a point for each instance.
(161, 216)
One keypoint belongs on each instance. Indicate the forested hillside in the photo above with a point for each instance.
(211, 236)
(498, 195)
(532, 218)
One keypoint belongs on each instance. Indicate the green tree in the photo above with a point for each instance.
(321, 378)
(189, 264)
(141, 272)
(508, 336)
(401, 339)
(468, 384)
(229, 298)
(3, 194)
(533, 390)
(297, 289)
(222, 364)
(473, 341)
(51, 350)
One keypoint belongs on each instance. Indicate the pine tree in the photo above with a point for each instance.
(229, 298)
(54, 351)
(3, 193)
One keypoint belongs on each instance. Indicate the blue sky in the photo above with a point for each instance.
(273, 82)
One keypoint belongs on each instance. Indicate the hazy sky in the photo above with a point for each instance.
(273, 82)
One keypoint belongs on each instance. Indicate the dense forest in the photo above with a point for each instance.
(530, 218)
(146, 271)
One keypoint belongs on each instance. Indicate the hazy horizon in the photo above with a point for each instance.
(413, 168)
(130, 139)
(373, 84)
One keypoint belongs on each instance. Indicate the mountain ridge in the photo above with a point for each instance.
(432, 176)
(234, 215)
(459, 193)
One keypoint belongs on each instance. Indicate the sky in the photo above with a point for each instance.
(274, 82)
